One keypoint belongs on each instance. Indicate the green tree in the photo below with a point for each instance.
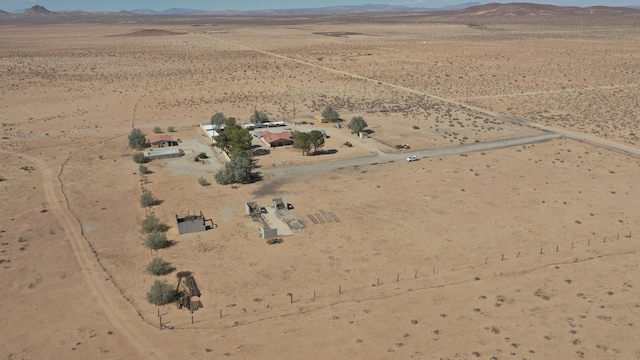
(147, 199)
(152, 223)
(140, 158)
(330, 114)
(357, 124)
(238, 170)
(302, 141)
(156, 240)
(137, 139)
(218, 119)
(234, 140)
(259, 117)
(157, 266)
(161, 293)
(230, 122)
(316, 139)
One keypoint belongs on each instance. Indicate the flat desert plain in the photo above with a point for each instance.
(483, 248)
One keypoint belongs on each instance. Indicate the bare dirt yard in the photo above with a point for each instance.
(527, 252)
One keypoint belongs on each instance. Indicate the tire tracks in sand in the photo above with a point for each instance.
(109, 298)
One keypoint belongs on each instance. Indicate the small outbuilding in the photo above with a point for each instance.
(193, 223)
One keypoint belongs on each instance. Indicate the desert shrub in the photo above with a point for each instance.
(157, 130)
(157, 266)
(273, 241)
(144, 170)
(223, 177)
(147, 199)
(137, 139)
(202, 181)
(139, 158)
(171, 129)
(152, 223)
(161, 293)
(156, 240)
(203, 155)
(258, 117)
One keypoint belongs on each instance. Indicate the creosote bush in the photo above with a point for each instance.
(203, 181)
(144, 170)
(157, 130)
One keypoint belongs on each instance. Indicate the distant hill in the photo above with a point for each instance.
(461, 12)
(173, 11)
(350, 9)
(38, 10)
(528, 9)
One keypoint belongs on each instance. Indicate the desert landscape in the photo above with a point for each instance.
(513, 236)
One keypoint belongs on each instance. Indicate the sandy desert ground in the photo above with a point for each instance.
(523, 252)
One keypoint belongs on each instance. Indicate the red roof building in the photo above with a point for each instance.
(276, 139)
(161, 140)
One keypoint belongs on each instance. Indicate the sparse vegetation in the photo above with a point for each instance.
(137, 140)
(171, 129)
(144, 170)
(203, 181)
(161, 293)
(152, 223)
(147, 199)
(258, 117)
(157, 267)
(157, 240)
(157, 130)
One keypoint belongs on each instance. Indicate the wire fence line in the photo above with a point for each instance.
(399, 283)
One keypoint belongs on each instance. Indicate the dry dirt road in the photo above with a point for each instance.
(305, 170)
(120, 313)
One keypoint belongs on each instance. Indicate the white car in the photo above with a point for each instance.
(412, 158)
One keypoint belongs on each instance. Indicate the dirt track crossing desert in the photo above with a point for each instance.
(513, 234)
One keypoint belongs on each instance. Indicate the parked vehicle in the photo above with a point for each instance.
(412, 158)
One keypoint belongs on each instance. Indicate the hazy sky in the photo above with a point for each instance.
(117, 5)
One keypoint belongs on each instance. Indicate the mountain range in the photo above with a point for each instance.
(464, 9)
